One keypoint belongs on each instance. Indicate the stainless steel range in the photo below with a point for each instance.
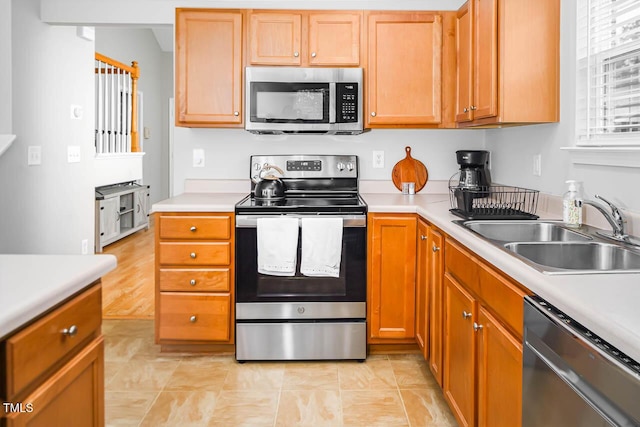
(301, 261)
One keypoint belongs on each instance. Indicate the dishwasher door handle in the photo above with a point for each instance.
(563, 370)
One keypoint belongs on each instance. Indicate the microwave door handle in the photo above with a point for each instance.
(332, 102)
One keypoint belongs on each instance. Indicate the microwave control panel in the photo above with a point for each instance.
(347, 102)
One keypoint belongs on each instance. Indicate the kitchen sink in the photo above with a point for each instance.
(524, 231)
(576, 257)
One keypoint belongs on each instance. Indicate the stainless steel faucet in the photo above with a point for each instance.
(614, 217)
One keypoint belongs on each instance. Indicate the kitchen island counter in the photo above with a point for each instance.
(604, 303)
(30, 285)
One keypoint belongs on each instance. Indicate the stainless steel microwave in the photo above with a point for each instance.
(303, 100)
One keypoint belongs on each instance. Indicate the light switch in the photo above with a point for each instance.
(73, 154)
(198, 158)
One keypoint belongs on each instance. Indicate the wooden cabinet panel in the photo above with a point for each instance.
(422, 289)
(208, 67)
(275, 38)
(436, 297)
(404, 68)
(464, 76)
(73, 396)
(485, 98)
(196, 317)
(189, 253)
(195, 280)
(334, 39)
(460, 351)
(499, 374)
(391, 277)
(26, 360)
(194, 227)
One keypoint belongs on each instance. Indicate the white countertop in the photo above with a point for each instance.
(605, 303)
(32, 284)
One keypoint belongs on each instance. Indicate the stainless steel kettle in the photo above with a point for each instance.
(270, 187)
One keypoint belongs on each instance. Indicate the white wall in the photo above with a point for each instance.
(5, 69)
(513, 149)
(156, 83)
(47, 208)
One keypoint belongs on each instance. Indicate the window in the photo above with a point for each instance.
(608, 91)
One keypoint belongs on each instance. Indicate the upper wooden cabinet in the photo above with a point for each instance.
(508, 62)
(391, 264)
(404, 69)
(298, 38)
(208, 68)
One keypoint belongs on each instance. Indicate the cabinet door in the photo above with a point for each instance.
(334, 39)
(485, 81)
(140, 207)
(499, 374)
(404, 69)
(464, 95)
(73, 396)
(392, 273)
(459, 352)
(422, 294)
(436, 325)
(109, 218)
(208, 68)
(275, 38)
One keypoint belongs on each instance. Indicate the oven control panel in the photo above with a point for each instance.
(304, 165)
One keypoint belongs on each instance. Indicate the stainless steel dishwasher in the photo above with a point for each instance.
(571, 376)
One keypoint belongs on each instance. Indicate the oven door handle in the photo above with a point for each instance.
(349, 221)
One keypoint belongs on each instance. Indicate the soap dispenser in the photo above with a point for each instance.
(572, 204)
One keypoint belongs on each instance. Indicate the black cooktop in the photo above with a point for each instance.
(303, 204)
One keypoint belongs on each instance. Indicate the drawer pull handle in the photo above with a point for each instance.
(435, 248)
(193, 319)
(423, 237)
(477, 327)
(71, 331)
(193, 228)
(192, 255)
(466, 315)
(192, 282)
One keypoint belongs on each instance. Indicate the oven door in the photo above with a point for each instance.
(350, 286)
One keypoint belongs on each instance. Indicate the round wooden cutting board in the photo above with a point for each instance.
(409, 170)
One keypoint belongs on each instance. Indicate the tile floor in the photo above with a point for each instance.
(144, 387)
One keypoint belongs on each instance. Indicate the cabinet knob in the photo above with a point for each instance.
(466, 315)
(296, 54)
(193, 228)
(423, 237)
(192, 255)
(435, 248)
(473, 108)
(71, 331)
(193, 319)
(236, 113)
(373, 114)
(465, 110)
(477, 327)
(313, 54)
(192, 282)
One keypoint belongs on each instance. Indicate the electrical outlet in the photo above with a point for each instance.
(198, 158)
(85, 246)
(73, 154)
(378, 159)
(537, 165)
(34, 155)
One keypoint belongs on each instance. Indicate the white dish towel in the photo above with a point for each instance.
(321, 247)
(277, 246)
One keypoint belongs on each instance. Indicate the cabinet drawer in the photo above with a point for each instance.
(33, 351)
(462, 265)
(196, 317)
(188, 253)
(195, 227)
(195, 280)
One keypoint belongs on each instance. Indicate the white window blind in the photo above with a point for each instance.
(608, 80)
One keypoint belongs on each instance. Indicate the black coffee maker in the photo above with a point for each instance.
(474, 169)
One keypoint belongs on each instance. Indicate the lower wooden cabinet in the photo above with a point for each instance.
(194, 278)
(422, 288)
(391, 264)
(483, 334)
(435, 250)
(52, 371)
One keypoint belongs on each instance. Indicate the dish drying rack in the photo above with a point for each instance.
(493, 202)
